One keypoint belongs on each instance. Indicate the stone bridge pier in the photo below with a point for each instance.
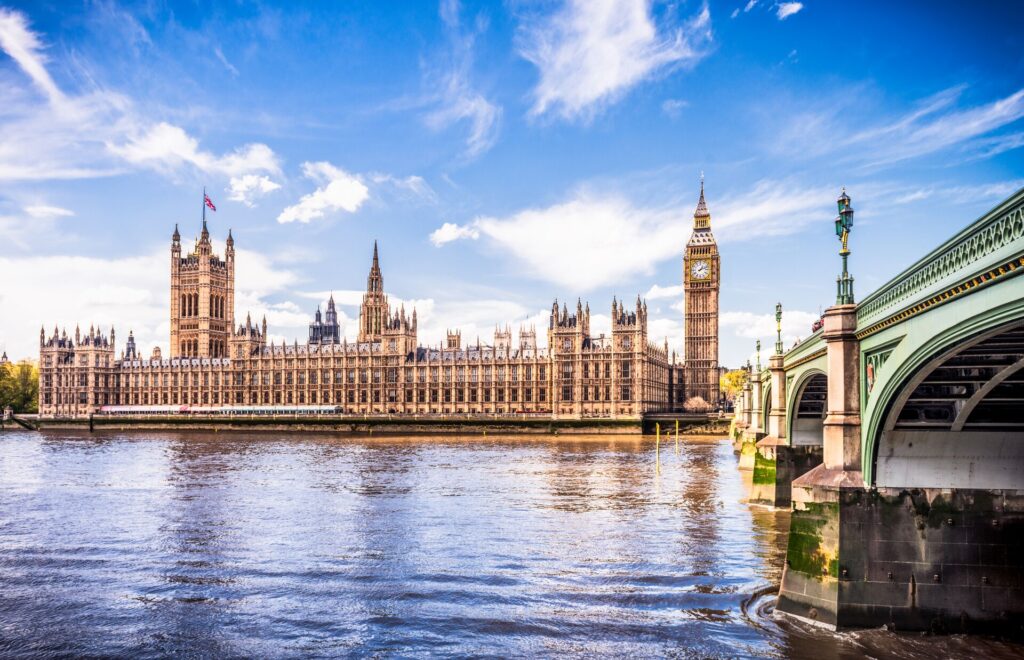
(896, 434)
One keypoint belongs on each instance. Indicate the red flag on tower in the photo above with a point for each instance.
(206, 198)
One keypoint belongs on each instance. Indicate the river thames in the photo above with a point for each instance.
(158, 543)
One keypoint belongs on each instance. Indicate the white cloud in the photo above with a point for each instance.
(592, 52)
(167, 147)
(94, 133)
(787, 9)
(750, 5)
(450, 231)
(735, 13)
(338, 190)
(129, 293)
(613, 238)
(658, 292)
(796, 324)
(44, 211)
(249, 187)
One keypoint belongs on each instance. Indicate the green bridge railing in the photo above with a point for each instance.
(994, 241)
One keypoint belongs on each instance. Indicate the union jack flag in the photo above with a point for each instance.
(206, 198)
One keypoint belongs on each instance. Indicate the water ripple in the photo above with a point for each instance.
(268, 545)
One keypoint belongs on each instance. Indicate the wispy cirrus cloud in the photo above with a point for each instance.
(26, 48)
(457, 101)
(96, 132)
(592, 52)
(938, 123)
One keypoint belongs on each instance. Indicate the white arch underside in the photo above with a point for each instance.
(951, 457)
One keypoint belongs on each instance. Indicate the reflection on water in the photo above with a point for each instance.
(153, 544)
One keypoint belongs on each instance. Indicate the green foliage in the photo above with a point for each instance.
(19, 387)
(732, 383)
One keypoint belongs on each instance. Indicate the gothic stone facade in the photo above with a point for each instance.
(213, 364)
(202, 298)
(701, 275)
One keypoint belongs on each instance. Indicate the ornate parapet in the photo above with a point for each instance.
(990, 248)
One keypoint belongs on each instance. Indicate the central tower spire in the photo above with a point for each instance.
(375, 311)
(375, 281)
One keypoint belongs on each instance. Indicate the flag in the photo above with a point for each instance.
(206, 198)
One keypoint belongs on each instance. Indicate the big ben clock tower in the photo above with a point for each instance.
(700, 319)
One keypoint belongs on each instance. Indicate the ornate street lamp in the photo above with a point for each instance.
(844, 223)
(758, 356)
(778, 328)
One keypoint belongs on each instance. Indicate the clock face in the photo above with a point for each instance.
(700, 270)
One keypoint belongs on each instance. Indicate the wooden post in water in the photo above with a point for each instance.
(657, 447)
(677, 437)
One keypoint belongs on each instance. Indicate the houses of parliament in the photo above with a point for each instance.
(218, 363)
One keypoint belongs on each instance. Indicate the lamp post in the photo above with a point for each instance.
(844, 223)
(758, 345)
(778, 328)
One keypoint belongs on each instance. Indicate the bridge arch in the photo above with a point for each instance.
(766, 405)
(952, 414)
(805, 414)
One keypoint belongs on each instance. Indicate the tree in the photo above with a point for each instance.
(696, 404)
(19, 387)
(732, 383)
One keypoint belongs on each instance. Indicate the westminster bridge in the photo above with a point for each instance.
(896, 434)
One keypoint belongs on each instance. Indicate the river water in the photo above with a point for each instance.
(270, 545)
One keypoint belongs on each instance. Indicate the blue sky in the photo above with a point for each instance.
(503, 154)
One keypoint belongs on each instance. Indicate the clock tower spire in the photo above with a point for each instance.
(700, 317)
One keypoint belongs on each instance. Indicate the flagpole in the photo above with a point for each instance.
(204, 205)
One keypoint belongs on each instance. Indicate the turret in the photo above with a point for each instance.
(129, 348)
(176, 240)
(454, 340)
